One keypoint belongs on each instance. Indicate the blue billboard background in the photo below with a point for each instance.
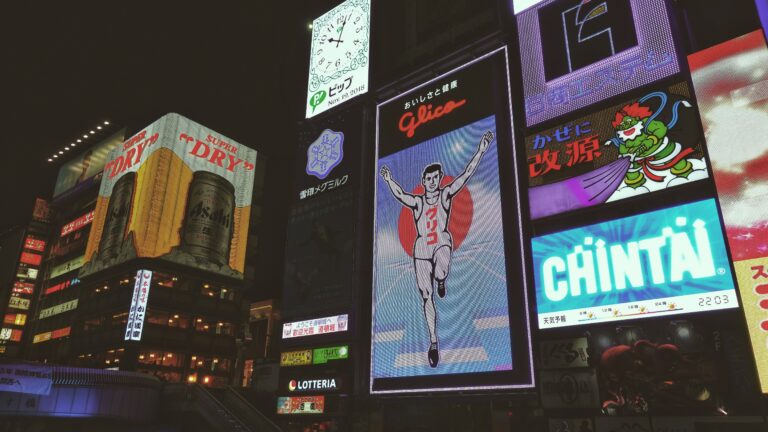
(473, 317)
(668, 261)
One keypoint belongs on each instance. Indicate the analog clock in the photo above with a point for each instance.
(340, 48)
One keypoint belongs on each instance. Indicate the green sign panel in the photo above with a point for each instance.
(324, 355)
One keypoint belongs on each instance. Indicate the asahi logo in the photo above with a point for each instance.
(595, 267)
(219, 216)
(309, 385)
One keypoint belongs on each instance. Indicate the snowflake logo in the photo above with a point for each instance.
(325, 153)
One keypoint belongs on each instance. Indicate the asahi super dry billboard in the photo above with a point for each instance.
(176, 191)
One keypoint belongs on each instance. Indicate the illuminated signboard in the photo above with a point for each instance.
(8, 334)
(333, 324)
(23, 287)
(521, 5)
(59, 308)
(339, 56)
(62, 285)
(56, 334)
(15, 319)
(319, 385)
(324, 355)
(296, 358)
(67, 267)
(135, 326)
(322, 235)
(577, 53)
(665, 262)
(83, 169)
(18, 303)
(448, 301)
(31, 258)
(731, 84)
(174, 160)
(26, 272)
(34, 244)
(301, 405)
(78, 223)
(641, 145)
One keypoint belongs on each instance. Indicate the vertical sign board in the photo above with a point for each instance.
(449, 301)
(576, 53)
(135, 326)
(339, 56)
(731, 84)
(322, 225)
(645, 144)
(175, 191)
(665, 262)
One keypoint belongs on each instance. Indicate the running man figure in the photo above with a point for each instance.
(434, 244)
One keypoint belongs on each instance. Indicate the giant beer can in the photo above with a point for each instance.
(209, 218)
(118, 215)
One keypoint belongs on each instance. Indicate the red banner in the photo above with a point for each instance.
(30, 258)
(77, 223)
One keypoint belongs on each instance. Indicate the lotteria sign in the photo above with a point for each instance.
(664, 262)
(311, 385)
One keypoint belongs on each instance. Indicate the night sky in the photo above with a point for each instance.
(236, 67)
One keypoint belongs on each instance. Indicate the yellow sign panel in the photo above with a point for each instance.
(42, 337)
(753, 284)
(296, 358)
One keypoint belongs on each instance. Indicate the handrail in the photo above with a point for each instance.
(68, 375)
(248, 413)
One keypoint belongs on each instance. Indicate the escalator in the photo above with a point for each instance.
(224, 410)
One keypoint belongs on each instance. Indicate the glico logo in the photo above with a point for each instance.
(668, 258)
(424, 114)
(306, 385)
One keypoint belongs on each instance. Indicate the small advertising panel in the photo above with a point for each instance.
(339, 56)
(442, 279)
(16, 302)
(665, 262)
(59, 308)
(314, 384)
(324, 355)
(565, 353)
(31, 258)
(319, 326)
(576, 53)
(34, 244)
(84, 168)
(135, 326)
(175, 191)
(296, 358)
(570, 388)
(731, 84)
(641, 145)
(301, 405)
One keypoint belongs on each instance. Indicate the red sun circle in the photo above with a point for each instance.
(460, 219)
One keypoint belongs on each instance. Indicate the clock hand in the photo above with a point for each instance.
(344, 24)
(335, 40)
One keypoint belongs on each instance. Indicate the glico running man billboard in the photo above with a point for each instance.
(731, 80)
(665, 262)
(644, 144)
(449, 295)
(576, 53)
(175, 191)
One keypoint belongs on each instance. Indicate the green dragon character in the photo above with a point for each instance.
(644, 140)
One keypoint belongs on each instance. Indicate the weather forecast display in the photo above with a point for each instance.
(441, 314)
(576, 53)
(665, 262)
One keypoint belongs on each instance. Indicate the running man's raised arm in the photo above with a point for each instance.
(461, 180)
(405, 198)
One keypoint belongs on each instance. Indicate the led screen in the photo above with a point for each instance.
(176, 191)
(731, 84)
(643, 144)
(576, 53)
(82, 170)
(665, 262)
(441, 314)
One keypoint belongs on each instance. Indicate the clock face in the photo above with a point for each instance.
(339, 40)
